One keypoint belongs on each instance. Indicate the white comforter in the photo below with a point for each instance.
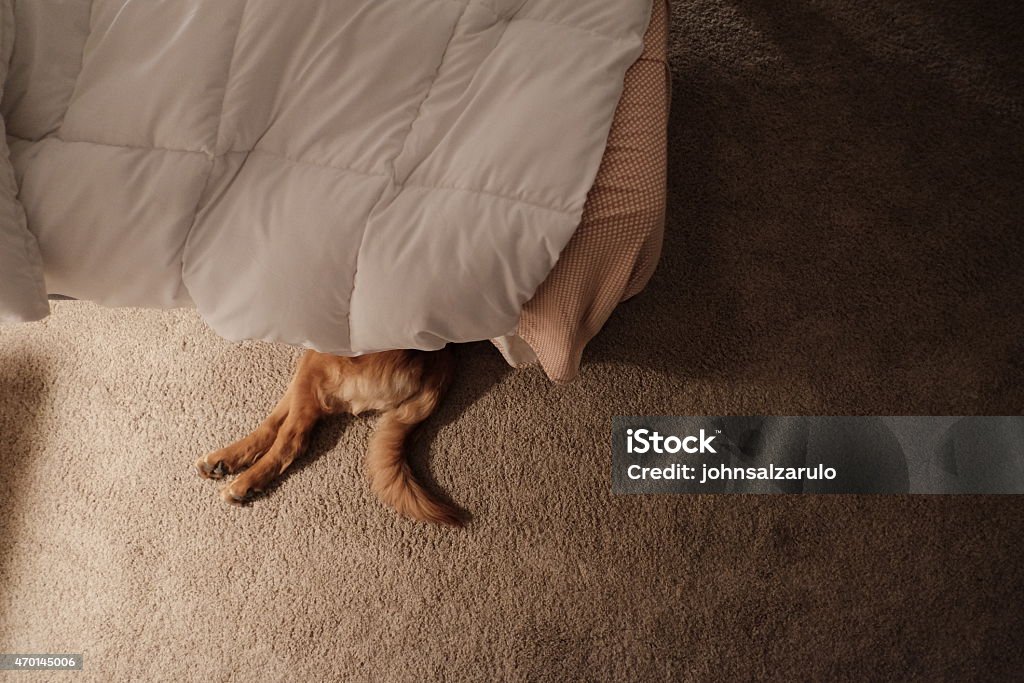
(348, 175)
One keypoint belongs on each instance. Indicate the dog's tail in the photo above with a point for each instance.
(391, 478)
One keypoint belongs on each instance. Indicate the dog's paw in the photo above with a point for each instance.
(238, 493)
(209, 468)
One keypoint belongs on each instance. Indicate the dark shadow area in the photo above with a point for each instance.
(844, 207)
(24, 383)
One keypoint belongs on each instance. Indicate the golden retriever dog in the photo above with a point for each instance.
(404, 386)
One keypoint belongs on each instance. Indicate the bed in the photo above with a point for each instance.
(616, 248)
(349, 177)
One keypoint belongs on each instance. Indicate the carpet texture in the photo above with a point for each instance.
(844, 238)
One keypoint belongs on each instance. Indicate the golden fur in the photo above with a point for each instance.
(405, 386)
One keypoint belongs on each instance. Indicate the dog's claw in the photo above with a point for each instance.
(233, 498)
(208, 471)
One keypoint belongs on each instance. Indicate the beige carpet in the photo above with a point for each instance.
(113, 548)
(844, 237)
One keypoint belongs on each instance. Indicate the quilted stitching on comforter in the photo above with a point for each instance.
(348, 175)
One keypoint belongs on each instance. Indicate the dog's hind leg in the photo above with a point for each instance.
(291, 439)
(245, 452)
